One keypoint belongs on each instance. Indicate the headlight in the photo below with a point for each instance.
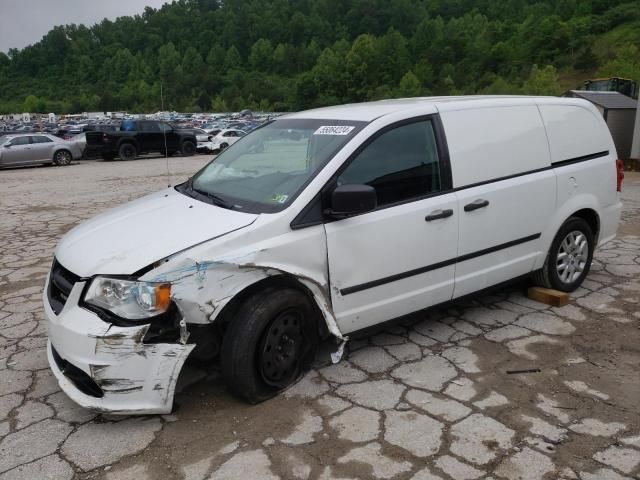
(129, 299)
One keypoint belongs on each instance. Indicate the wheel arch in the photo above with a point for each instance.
(590, 216)
(281, 280)
(585, 206)
(125, 140)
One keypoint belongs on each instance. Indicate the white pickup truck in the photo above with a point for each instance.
(322, 223)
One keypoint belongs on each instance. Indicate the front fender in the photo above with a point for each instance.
(202, 288)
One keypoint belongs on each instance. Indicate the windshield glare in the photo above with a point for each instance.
(265, 170)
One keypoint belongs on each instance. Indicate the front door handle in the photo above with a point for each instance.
(476, 204)
(437, 214)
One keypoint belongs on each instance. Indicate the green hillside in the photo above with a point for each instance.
(214, 55)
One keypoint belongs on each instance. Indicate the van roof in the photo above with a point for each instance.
(369, 111)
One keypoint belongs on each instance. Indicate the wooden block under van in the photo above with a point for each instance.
(549, 296)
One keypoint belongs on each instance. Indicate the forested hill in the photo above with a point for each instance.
(219, 55)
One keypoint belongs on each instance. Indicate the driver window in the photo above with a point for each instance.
(400, 164)
(19, 141)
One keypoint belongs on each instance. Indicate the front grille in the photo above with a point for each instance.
(80, 379)
(61, 281)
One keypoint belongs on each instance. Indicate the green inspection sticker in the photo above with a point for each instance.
(280, 198)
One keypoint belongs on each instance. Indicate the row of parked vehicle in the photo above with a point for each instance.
(59, 144)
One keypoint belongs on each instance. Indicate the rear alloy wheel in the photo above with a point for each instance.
(188, 148)
(223, 146)
(127, 151)
(62, 158)
(569, 258)
(269, 343)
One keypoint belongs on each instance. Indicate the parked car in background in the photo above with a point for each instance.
(225, 138)
(141, 136)
(33, 149)
(203, 138)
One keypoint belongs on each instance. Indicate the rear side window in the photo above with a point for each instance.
(574, 131)
(41, 139)
(150, 127)
(401, 164)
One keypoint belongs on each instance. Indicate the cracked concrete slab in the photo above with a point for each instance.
(95, 445)
(430, 373)
(416, 433)
(478, 439)
(377, 394)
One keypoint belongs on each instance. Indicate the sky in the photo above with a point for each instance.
(24, 22)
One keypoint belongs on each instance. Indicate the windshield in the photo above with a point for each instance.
(265, 170)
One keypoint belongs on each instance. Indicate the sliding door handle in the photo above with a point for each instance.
(437, 214)
(476, 204)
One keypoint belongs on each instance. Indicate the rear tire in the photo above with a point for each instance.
(569, 259)
(127, 151)
(188, 148)
(269, 344)
(223, 146)
(62, 158)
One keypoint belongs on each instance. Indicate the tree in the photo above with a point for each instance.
(232, 59)
(261, 55)
(297, 54)
(409, 86)
(542, 81)
(30, 104)
(625, 64)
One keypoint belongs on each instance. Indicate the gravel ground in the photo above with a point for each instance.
(424, 398)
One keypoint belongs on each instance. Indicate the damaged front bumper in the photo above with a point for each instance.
(109, 368)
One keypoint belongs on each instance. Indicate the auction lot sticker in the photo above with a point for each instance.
(334, 130)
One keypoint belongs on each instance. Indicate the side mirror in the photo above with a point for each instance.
(7, 145)
(348, 200)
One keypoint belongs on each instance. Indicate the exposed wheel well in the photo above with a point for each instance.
(219, 327)
(591, 217)
(277, 281)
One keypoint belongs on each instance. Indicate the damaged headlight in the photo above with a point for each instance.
(129, 299)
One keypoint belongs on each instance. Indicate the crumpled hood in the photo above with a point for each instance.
(129, 237)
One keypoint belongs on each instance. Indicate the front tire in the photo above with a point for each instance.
(127, 151)
(62, 158)
(269, 344)
(569, 259)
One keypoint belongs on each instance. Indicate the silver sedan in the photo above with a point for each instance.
(37, 148)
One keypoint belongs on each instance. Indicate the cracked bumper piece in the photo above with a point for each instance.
(108, 368)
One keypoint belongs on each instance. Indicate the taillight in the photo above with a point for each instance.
(105, 138)
(620, 174)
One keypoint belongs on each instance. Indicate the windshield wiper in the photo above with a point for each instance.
(217, 200)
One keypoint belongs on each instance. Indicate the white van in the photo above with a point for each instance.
(322, 223)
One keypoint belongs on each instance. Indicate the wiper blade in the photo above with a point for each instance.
(217, 200)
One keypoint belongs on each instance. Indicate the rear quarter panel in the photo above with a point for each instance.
(576, 129)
